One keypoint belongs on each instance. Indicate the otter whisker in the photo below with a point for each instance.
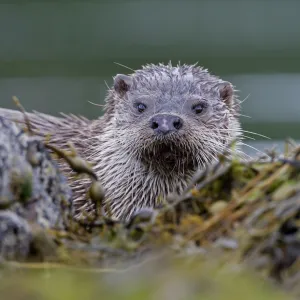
(246, 98)
(254, 133)
(241, 115)
(96, 104)
(255, 149)
(123, 66)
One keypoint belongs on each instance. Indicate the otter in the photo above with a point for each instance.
(161, 124)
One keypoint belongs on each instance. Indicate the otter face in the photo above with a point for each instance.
(176, 116)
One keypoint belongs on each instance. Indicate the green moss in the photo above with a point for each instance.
(237, 230)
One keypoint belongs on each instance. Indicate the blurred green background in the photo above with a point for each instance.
(57, 55)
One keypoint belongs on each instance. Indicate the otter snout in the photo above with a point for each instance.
(164, 123)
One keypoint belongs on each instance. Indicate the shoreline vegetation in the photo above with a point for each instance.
(234, 232)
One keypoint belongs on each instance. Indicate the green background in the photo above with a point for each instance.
(57, 55)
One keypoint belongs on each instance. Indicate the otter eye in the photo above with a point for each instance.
(141, 107)
(198, 108)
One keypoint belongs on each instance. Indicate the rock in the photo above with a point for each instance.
(32, 190)
(15, 236)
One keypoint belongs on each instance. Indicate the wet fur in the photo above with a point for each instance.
(128, 160)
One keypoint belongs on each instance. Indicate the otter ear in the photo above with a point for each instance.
(226, 92)
(122, 83)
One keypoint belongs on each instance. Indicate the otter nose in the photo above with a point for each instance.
(163, 124)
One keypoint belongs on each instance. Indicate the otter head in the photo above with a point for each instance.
(172, 118)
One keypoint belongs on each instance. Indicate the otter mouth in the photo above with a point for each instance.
(166, 155)
(166, 152)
